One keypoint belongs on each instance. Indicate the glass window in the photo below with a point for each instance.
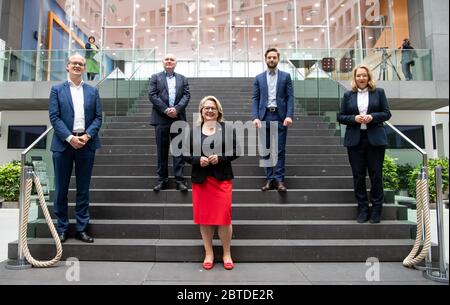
(21, 137)
(414, 132)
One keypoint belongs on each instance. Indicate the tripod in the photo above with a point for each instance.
(384, 64)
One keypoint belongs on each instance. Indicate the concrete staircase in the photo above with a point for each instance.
(313, 221)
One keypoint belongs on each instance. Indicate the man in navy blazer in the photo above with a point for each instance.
(75, 113)
(273, 101)
(169, 94)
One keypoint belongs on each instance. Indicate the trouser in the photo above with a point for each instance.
(365, 157)
(63, 162)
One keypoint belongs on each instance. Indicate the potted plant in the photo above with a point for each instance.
(390, 179)
(10, 184)
(432, 163)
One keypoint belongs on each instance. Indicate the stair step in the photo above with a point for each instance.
(151, 159)
(139, 132)
(292, 182)
(290, 149)
(173, 250)
(242, 229)
(150, 140)
(241, 211)
(119, 170)
(292, 196)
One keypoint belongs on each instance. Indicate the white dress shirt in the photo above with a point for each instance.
(172, 86)
(272, 79)
(363, 104)
(77, 94)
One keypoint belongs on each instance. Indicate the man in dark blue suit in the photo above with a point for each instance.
(76, 116)
(273, 101)
(169, 94)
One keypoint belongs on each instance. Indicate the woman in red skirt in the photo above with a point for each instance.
(211, 177)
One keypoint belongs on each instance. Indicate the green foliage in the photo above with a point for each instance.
(10, 181)
(390, 176)
(432, 163)
(403, 172)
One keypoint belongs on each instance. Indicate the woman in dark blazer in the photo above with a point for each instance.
(211, 156)
(363, 111)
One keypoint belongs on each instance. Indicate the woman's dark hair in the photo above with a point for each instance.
(89, 38)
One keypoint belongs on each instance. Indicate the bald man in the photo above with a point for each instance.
(169, 94)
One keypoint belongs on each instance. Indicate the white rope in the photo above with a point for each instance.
(423, 221)
(48, 219)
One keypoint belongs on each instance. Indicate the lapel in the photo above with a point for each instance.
(68, 94)
(372, 96)
(86, 101)
(177, 86)
(164, 81)
(354, 102)
(265, 86)
(278, 83)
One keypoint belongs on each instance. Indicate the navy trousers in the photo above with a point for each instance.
(277, 171)
(163, 138)
(63, 165)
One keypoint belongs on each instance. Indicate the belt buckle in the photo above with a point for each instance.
(272, 109)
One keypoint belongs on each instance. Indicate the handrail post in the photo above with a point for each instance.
(21, 262)
(440, 275)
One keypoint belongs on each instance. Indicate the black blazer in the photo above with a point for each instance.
(158, 93)
(378, 108)
(220, 171)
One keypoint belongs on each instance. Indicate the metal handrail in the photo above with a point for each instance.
(422, 152)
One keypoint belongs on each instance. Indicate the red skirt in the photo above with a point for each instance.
(212, 202)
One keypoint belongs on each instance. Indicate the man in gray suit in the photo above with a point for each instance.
(169, 94)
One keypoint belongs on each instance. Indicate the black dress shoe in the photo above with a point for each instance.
(63, 237)
(281, 187)
(162, 185)
(363, 214)
(375, 215)
(84, 237)
(268, 186)
(181, 186)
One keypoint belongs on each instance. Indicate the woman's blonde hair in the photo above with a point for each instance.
(218, 105)
(371, 83)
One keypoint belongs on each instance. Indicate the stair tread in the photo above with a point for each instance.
(234, 242)
(241, 222)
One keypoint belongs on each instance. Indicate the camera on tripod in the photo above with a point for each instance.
(385, 63)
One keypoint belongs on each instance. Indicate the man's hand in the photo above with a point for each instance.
(213, 159)
(204, 161)
(287, 122)
(172, 112)
(257, 123)
(84, 138)
(76, 142)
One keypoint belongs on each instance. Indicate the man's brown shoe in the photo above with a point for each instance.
(281, 187)
(268, 186)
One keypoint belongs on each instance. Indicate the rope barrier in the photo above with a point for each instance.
(423, 221)
(48, 219)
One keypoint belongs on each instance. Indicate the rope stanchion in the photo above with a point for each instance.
(48, 219)
(423, 224)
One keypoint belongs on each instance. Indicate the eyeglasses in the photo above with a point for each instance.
(76, 63)
(210, 109)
